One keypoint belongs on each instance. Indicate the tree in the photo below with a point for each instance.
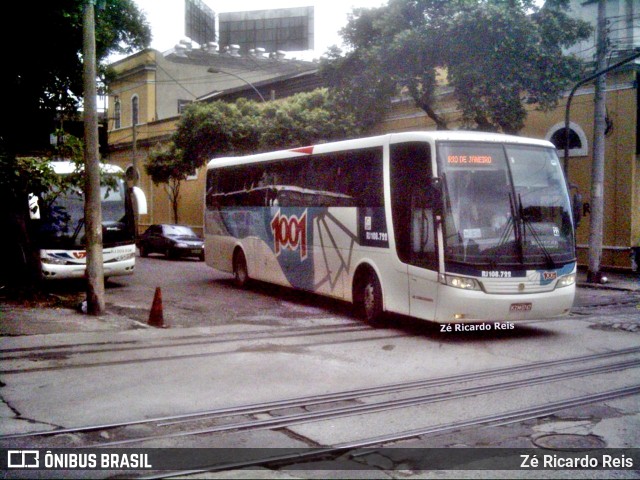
(495, 55)
(163, 167)
(206, 129)
(243, 127)
(18, 179)
(305, 119)
(42, 73)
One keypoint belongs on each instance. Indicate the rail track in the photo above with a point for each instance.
(60, 357)
(355, 448)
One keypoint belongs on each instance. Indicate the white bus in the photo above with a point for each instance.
(442, 226)
(61, 233)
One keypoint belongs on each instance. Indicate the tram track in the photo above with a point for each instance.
(358, 401)
(63, 355)
(186, 340)
(340, 449)
(351, 410)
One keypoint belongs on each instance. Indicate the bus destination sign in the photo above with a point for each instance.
(469, 159)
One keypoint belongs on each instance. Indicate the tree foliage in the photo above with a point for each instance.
(42, 73)
(218, 127)
(19, 179)
(304, 119)
(496, 55)
(215, 129)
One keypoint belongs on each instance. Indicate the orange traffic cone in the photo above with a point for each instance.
(155, 316)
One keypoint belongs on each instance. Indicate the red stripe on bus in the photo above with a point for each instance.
(305, 150)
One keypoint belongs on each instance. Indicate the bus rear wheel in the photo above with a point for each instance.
(240, 271)
(368, 299)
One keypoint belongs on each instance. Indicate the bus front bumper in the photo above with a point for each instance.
(463, 306)
(57, 265)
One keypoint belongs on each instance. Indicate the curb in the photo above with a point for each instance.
(607, 287)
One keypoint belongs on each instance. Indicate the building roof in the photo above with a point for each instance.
(232, 74)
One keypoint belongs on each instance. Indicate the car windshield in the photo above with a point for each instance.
(178, 231)
(506, 205)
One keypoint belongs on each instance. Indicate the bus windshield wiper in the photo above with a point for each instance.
(76, 232)
(517, 230)
(527, 224)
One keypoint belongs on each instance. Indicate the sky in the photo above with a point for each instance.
(166, 17)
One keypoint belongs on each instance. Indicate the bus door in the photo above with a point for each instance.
(423, 264)
(413, 205)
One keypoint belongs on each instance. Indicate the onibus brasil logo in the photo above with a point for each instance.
(290, 232)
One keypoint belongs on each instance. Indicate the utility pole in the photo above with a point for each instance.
(92, 205)
(596, 229)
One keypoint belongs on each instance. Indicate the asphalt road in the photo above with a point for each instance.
(193, 294)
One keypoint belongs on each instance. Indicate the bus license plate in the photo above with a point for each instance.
(521, 307)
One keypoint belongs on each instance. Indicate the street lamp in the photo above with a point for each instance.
(215, 70)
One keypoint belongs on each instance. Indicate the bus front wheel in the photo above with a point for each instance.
(240, 271)
(368, 298)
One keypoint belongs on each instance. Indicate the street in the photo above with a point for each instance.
(270, 367)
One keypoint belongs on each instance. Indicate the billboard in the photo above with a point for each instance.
(199, 22)
(287, 29)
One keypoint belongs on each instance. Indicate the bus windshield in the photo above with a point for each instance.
(62, 224)
(505, 206)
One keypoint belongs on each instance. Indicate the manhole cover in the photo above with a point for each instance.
(561, 441)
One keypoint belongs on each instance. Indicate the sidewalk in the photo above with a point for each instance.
(615, 281)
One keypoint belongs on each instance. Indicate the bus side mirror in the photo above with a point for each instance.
(577, 207)
(436, 196)
(34, 207)
(140, 200)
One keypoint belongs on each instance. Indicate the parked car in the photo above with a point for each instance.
(171, 240)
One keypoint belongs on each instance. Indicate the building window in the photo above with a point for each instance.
(578, 145)
(182, 104)
(117, 113)
(134, 110)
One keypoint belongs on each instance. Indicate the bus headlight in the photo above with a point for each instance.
(566, 280)
(464, 283)
(53, 261)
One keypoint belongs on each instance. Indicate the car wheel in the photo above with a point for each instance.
(240, 271)
(143, 251)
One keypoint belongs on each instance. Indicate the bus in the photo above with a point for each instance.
(441, 226)
(60, 232)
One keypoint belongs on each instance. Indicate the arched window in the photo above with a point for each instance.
(578, 145)
(134, 110)
(117, 113)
